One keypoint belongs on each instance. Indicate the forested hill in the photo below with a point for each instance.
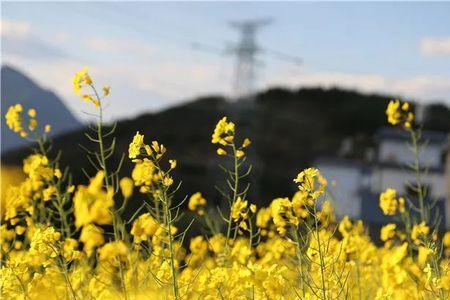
(289, 129)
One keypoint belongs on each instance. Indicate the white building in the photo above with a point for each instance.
(354, 186)
(346, 179)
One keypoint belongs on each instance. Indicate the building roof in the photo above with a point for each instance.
(342, 162)
(392, 133)
(367, 167)
(388, 165)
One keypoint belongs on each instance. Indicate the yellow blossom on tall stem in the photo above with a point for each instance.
(135, 146)
(80, 81)
(399, 114)
(223, 133)
(311, 181)
(239, 209)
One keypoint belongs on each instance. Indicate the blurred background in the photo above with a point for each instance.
(307, 82)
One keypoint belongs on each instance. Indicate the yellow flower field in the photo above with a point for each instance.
(60, 241)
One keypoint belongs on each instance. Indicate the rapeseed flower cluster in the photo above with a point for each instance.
(92, 204)
(17, 122)
(197, 203)
(389, 204)
(399, 113)
(64, 242)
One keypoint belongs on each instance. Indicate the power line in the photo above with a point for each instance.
(283, 56)
(245, 50)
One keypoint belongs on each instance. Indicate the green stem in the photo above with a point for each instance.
(168, 221)
(322, 263)
(122, 281)
(65, 227)
(235, 192)
(65, 271)
(358, 276)
(299, 257)
(22, 286)
(117, 223)
(100, 141)
(416, 168)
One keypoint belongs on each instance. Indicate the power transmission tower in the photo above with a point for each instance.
(245, 51)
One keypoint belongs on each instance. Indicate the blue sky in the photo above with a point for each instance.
(144, 49)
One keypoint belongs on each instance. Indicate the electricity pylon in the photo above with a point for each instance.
(246, 51)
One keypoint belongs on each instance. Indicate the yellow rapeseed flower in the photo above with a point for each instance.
(424, 254)
(246, 143)
(399, 114)
(14, 119)
(92, 204)
(144, 227)
(389, 203)
(92, 237)
(283, 215)
(263, 217)
(311, 181)
(106, 90)
(387, 232)
(32, 113)
(82, 79)
(240, 153)
(223, 133)
(134, 149)
(221, 151)
(446, 239)
(43, 242)
(419, 231)
(113, 251)
(143, 173)
(58, 173)
(126, 186)
(173, 163)
(197, 203)
(239, 209)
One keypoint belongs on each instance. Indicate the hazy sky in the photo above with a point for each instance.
(144, 50)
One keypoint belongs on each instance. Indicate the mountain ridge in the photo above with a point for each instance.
(16, 87)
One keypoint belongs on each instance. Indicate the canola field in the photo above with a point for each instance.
(60, 241)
